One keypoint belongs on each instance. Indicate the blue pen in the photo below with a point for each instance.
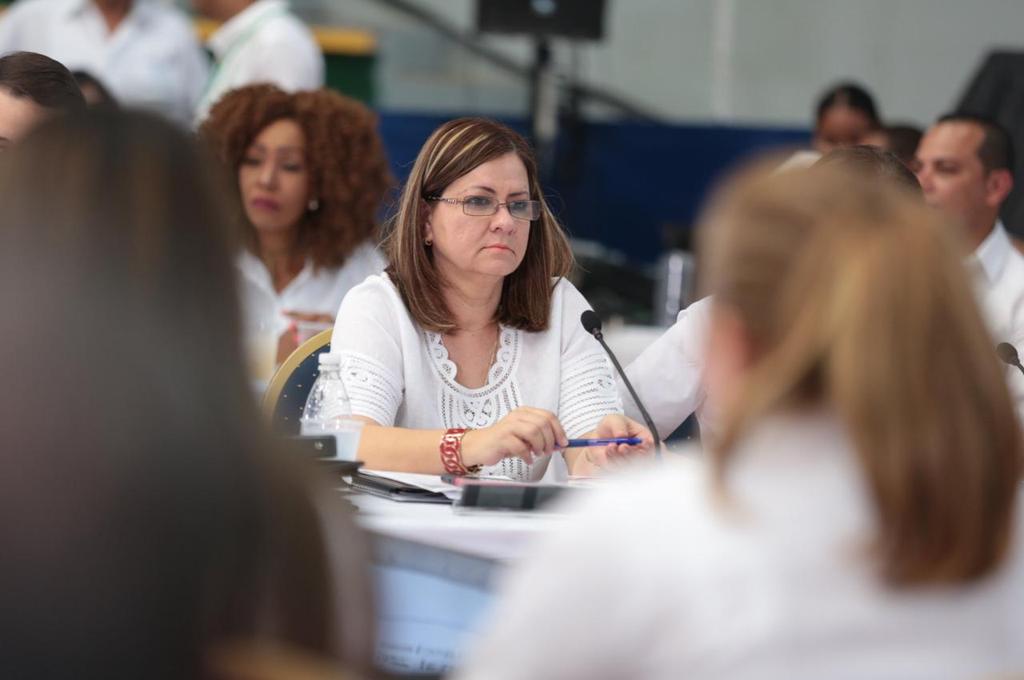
(580, 443)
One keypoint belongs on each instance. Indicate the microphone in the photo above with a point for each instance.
(1008, 353)
(592, 324)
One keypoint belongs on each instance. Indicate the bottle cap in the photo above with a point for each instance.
(328, 359)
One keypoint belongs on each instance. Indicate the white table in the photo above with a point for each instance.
(491, 535)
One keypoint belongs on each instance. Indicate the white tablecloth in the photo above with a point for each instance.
(492, 535)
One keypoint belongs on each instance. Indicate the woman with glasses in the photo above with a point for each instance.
(467, 354)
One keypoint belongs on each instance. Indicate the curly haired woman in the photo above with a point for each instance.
(311, 176)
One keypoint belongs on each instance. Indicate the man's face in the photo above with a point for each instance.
(18, 115)
(952, 176)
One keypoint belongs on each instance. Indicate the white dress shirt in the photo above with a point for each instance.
(153, 59)
(400, 375)
(264, 43)
(316, 290)
(653, 576)
(998, 274)
(668, 376)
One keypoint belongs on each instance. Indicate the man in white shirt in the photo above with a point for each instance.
(964, 164)
(260, 41)
(144, 51)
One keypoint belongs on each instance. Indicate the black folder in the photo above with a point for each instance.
(395, 490)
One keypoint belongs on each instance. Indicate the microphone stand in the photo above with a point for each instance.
(599, 336)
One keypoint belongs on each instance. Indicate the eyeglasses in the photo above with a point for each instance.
(483, 206)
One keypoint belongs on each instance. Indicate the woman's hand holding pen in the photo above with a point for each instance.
(590, 461)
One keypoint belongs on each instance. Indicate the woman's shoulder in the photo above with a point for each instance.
(567, 302)
(562, 289)
(375, 294)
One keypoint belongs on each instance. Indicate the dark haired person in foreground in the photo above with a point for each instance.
(32, 88)
(860, 513)
(147, 522)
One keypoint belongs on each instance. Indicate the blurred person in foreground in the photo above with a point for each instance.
(844, 116)
(258, 41)
(149, 530)
(310, 174)
(145, 51)
(33, 87)
(467, 354)
(965, 165)
(669, 374)
(860, 515)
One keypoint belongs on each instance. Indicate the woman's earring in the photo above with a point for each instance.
(427, 242)
(313, 205)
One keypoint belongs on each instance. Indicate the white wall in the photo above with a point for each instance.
(751, 61)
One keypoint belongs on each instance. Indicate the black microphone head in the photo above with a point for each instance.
(591, 321)
(1008, 353)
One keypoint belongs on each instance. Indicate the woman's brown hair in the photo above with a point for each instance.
(349, 173)
(147, 514)
(454, 149)
(853, 296)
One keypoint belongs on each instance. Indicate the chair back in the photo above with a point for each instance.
(286, 394)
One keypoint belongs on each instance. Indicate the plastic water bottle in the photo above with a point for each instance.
(328, 409)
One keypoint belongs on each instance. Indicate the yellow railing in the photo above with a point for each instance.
(332, 40)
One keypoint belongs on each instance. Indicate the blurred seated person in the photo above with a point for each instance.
(145, 51)
(845, 115)
(311, 175)
(669, 374)
(901, 140)
(468, 353)
(258, 41)
(94, 91)
(860, 515)
(32, 88)
(145, 521)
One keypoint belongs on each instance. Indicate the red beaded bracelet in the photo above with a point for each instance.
(451, 453)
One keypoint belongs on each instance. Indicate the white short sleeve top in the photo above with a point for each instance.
(400, 375)
(657, 575)
(316, 290)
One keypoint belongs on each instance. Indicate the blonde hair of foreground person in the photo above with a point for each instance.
(852, 295)
(854, 519)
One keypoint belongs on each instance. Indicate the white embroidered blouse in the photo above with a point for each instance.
(400, 375)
